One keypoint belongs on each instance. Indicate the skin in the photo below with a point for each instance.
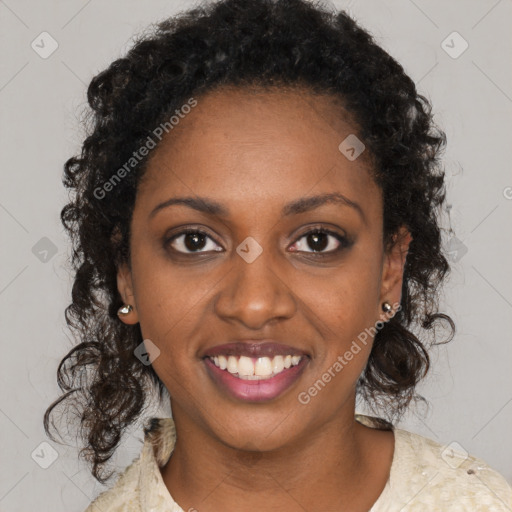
(254, 153)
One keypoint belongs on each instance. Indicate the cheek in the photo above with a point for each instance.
(168, 313)
(164, 296)
(344, 308)
(346, 300)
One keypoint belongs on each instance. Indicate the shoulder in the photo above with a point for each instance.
(141, 484)
(123, 496)
(426, 474)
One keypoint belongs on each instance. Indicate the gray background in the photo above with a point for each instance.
(470, 385)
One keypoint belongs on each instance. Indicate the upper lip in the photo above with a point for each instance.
(253, 348)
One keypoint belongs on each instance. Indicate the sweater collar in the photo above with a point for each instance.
(159, 440)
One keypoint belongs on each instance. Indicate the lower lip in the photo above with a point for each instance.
(255, 390)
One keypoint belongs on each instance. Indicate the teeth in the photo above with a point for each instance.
(248, 368)
(232, 364)
(263, 367)
(245, 366)
(278, 364)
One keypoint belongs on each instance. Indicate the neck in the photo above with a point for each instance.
(326, 469)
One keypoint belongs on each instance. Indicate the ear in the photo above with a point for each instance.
(393, 269)
(125, 288)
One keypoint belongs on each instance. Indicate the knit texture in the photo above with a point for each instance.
(424, 476)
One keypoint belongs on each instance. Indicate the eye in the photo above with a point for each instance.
(321, 241)
(190, 241)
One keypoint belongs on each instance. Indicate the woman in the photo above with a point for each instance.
(255, 229)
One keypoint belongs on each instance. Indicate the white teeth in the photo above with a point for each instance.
(232, 364)
(278, 364)
(245, 366)
(248, 368)
(263, 367)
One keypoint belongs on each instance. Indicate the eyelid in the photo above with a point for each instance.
(323, 228)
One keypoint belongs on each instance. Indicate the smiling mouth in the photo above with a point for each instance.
(252, 368)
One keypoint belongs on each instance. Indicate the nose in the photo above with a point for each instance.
(255, 293)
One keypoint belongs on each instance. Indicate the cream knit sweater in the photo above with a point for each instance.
(424, 476)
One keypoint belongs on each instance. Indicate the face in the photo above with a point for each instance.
(252, 256)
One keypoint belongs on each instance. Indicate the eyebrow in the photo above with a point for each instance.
(301, 205)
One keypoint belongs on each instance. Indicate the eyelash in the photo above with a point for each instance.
(344, 242)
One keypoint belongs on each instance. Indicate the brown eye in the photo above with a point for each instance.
(192, 241)
(320, 241)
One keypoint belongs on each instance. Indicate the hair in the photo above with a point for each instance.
(272, 44)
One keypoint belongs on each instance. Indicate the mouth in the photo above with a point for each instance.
(254, 371)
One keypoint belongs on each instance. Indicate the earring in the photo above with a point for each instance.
(386, 307)
(124, 310)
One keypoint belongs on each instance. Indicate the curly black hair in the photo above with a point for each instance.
(262, 43)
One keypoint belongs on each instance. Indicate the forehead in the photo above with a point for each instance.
(243, 145)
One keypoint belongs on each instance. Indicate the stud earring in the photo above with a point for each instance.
(386, 307)
(125, 310)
